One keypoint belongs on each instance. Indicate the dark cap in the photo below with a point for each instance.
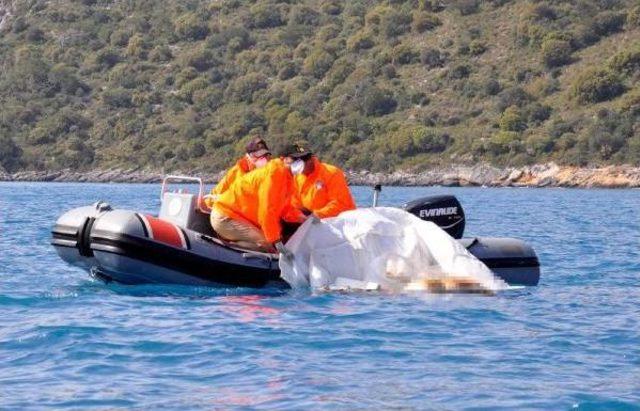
(257, 147)
(295, 151)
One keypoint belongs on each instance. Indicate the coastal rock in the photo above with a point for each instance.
(539, 175)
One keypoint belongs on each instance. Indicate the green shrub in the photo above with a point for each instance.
(633, 17)
(395, 23)
(331, 7)
(556, 53)
(74, 153)
(433, 58)
(51, 128)
(35, 35)
(513, 96)
(187, 90)
(373, 17)
(400, 142)
(117, 98)
(107, 58)
(318, 63)
(477, 47)
(185, 75)
(596, 85)
(10, 153)
(466, 7)
(389, 71)
(207, 98)
(626, 62)
(425, 22)
(459, 71)
(529, 34)
(378, 102)
(288, 71)
(137, 47)
(512, 120)
(19, 25)
(63, 80)
(362, 40)
(542, 13)
(196, 149)
(434, 6)
(504, 142)
(293, 34)
(607, 23)
(427, 140)
(201, 59)
(120, 38)
(243, 88)
(161, 54)
(263, 16)
(631, 101)
(304, 15)
(537, 113)
(463, 49)
(235, 38)
(404, 54)
(585, 36)
(339, 72)
(191, 26)
(492, 87)
(540, 143)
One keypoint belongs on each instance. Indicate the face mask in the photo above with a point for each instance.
(297, 167)
(261, 162)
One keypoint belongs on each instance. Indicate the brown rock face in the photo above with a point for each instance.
(540, 175)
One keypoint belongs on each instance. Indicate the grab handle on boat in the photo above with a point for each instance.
(261, 256)
(174, 178)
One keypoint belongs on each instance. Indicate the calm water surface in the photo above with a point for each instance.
(573, 342)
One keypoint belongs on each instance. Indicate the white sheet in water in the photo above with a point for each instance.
(387, 247)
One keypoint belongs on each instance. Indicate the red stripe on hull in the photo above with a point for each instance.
(165, 232)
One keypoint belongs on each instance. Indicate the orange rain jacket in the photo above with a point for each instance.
(240, 168)
(262, 198)
(324, 192)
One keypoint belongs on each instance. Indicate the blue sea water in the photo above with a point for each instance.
(573, 342)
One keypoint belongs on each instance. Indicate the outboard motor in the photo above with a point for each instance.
(445, 211)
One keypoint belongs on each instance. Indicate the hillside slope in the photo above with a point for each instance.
(377, 85)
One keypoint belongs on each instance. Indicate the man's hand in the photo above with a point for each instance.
(284, 251)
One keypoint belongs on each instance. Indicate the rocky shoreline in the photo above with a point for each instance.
(541, 175)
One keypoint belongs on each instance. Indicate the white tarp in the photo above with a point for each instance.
(380, 248)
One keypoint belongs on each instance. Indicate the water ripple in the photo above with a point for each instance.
(69, 342)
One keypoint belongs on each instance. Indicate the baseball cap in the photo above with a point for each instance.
(295, 151)
(257, 147)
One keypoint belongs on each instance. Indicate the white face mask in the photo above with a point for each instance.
(297, 167)
(261, 162)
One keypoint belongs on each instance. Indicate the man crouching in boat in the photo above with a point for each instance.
(249, 212)
(257, 156)
(320, 188)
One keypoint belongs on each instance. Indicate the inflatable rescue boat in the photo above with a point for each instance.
(179, 246)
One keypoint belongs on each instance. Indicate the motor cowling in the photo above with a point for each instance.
(445, 211)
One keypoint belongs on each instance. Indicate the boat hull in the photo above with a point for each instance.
(133, 248)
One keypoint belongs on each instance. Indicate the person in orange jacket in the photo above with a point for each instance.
(250, 211)
(320, 188)
(257, 155)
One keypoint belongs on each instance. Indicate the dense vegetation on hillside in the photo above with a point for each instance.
(376, 85)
